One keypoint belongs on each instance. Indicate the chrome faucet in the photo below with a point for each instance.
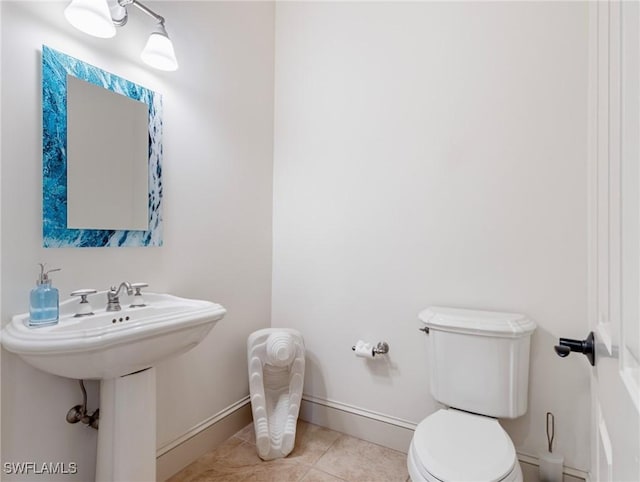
(113, 300)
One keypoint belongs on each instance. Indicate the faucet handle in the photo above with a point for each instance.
(138, 300)
(84, 309)
(83, 293)
(138, 287)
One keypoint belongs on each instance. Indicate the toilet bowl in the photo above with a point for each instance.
(478, 364)
(452, 445)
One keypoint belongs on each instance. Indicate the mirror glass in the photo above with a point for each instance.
(106, 159)
(102, 156)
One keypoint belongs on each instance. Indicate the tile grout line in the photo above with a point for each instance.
(309, 468)
(313, 465)
(330, 474)
(341, 435)
(326, 450)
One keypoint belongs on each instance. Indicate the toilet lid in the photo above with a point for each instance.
(452, 445)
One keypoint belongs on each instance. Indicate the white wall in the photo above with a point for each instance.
(432, 153)
(218, 135)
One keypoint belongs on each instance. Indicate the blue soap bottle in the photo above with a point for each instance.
(44, 300)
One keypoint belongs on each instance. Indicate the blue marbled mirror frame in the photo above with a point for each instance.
(55, 68)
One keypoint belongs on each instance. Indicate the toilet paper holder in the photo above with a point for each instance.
(381, 348)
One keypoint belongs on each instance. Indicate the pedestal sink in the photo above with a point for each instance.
(119, 348)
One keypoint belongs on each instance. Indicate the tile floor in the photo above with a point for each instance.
(320, 455)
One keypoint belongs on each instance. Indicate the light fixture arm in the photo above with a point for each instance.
(144, 8)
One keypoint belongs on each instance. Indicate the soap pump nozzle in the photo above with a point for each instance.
(44, 275)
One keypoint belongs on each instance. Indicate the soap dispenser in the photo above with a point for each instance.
(44, 300)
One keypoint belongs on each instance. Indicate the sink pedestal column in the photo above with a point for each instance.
(127, 433)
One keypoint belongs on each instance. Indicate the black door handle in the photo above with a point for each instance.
(562, 350)
(586, 347)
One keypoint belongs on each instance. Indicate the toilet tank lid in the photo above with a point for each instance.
(476, 322)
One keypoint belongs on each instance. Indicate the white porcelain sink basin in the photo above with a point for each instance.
(112, 344)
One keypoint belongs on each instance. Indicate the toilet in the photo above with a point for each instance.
(479, 369)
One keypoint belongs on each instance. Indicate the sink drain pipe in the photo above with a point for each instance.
(79, 412)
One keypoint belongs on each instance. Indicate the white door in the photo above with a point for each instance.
(614, 238)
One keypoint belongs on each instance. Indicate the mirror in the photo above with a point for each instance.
(102, 153)
(106, 154)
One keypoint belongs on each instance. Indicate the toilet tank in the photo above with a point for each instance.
(479, 360)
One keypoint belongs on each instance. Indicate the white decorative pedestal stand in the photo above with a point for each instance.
(127, 433)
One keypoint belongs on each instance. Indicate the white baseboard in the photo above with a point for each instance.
(202, 438)
(570, 474)
(358, 422)
(392, 432)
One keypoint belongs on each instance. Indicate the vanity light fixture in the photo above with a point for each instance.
(100, 17)
(91, 17)
(158, 52)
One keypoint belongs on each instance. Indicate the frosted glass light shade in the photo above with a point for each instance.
(159, 53)
(91, 17)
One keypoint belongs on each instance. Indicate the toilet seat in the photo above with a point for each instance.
(451, 445)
